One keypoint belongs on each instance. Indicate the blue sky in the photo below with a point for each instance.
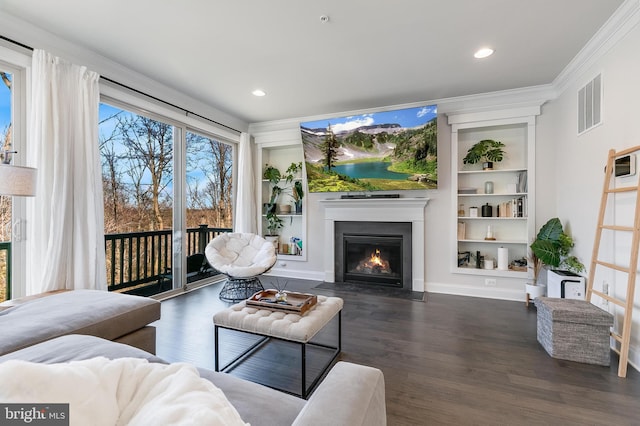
(409, 117)
(5, 107)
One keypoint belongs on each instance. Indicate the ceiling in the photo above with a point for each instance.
(370, 53)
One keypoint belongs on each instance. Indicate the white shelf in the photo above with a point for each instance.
(503, 194)
(494, 241)
(516, 129)
(491, 218)
(470, 172)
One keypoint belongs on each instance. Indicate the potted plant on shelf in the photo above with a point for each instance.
(292, 171)
(488, 151)
(551, 249)
(298, 193)
(273, 175)
(274, 223)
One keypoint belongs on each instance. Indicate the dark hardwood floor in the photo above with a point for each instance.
(450, 360)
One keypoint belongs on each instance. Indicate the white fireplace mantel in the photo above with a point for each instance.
(378, 210)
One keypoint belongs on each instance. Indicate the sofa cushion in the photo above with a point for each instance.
(92, 312)
(240, 255)
(257, 404)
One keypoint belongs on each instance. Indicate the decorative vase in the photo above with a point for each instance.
(285, 208)
(487, 165)
(281, 296)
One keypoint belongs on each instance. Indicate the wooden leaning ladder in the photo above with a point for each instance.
(627, 305)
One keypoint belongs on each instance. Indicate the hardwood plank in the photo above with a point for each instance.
(449, 360)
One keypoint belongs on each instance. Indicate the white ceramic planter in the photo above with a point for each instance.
(535, 290)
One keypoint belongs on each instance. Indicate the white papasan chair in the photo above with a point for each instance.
(242, 257)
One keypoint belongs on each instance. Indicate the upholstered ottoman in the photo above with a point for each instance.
(575, 330)
(113, 316)
(278, 325)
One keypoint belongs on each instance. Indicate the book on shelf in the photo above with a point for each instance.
(516, 207)
(461, 230)
(521, 183)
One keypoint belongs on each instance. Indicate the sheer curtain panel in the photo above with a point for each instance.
(65, 247)
(245, 220)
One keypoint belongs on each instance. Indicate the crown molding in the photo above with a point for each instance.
(623, 20)
(503, 99)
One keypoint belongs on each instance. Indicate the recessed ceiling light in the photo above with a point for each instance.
(483, 53)
(258, 92)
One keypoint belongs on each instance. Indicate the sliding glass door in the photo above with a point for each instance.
(167, 193)
(137, 178)
(6, 205)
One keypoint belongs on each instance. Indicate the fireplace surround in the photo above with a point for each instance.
(410, 210)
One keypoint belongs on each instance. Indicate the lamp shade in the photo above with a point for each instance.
(17, 180)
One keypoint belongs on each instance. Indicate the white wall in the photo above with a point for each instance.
(577, 182)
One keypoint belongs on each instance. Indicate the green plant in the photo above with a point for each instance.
(552, 247)
(274, 176)
(291, 171)
(485, 150)
(273, 223)
(298, 192)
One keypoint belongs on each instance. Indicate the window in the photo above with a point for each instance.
(151, 191)
(5, 201)
(209, 182)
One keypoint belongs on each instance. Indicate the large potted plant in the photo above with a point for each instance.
(552, 248)
(488, 151)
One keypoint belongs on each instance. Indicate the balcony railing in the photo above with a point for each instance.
(137, 259)
(134, 260)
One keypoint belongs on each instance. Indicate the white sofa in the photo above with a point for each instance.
(350, 395)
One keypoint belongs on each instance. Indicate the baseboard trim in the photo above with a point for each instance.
(516, 295)
(296, 273)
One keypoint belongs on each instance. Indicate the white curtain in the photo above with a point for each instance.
(65, 247)
(245, 211)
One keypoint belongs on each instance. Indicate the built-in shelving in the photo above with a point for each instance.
(281, 155)
(516, 129)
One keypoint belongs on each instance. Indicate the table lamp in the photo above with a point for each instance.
(16, 180)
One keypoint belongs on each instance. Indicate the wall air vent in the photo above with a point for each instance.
(590, 105)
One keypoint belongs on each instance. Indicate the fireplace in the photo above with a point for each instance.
(410, 211)
(376, 253)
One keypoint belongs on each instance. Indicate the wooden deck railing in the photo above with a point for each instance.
(133, 259)
(138, 258)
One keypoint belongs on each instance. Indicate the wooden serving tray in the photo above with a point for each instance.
(298, 303)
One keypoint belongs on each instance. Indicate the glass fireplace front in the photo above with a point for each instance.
(373, 259)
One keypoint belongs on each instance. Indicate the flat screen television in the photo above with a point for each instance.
(382, 151)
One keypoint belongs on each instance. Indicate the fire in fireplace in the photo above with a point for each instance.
(373, 253)
(373, 259)
(374, 264)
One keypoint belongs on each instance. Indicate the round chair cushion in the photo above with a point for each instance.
(240, 255)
